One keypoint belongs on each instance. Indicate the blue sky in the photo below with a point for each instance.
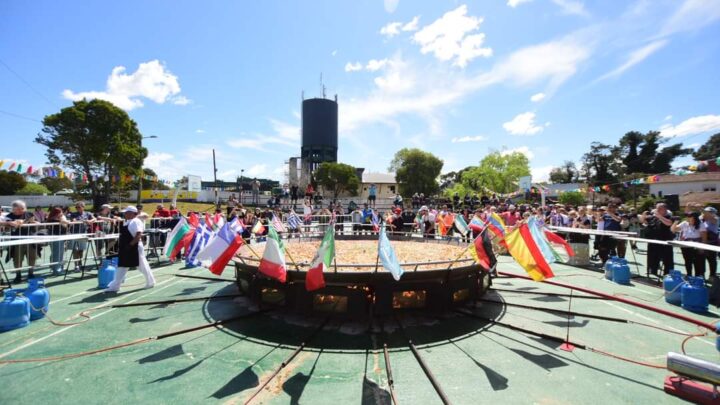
(545, 77)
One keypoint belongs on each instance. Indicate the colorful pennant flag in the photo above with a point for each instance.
(220, 250)
(527, 254)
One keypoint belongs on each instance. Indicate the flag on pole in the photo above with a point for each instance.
(476, 224)
(293, 221)
(198, 243)
(277, 223)
(258, 228)
(387, 255)
(12, 166)
(480, 252)
(527, 254)
(179, 237)
(19, 168)
(29, 170)
(209, 221)
(375, 221)
(314, 280)
(496, 224)
(2, 162)
(220, 250)
(272, 263)
(559, 244)
(461, 225)
(236, 226)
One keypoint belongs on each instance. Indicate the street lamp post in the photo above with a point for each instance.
(242, 171)
(142, 173)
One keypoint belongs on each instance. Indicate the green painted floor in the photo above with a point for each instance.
(473, 361)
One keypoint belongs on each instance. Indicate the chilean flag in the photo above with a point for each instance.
(220, 250)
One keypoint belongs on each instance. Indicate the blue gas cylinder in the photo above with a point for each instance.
(695, 295)
(39, 298)
(609, 267)
(14, 311)
(114, 260)
(106, 273)
(671, 285)
(621, 272)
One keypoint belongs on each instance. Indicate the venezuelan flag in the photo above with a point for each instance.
(496, 224)
(527, 254)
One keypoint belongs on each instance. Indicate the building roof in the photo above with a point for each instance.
(379, 178)
(689, 178)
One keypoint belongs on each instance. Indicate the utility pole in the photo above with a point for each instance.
(217, 201)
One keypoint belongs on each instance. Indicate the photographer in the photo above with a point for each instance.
(692, 229)
(657, 227)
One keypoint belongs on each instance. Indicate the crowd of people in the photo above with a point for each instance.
(439, 220)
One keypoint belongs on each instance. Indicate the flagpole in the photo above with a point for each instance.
(292, 260)
(469, 245)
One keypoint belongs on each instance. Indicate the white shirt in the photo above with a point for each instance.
(688, 231)
(135, 225)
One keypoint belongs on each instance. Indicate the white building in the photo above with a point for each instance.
(386, 185)
(697, 182)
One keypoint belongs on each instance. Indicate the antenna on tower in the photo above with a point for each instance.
(322, 86)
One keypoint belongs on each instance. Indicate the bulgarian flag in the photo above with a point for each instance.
(179, 237)
(272, 263)
(220, 249)
(314, 279)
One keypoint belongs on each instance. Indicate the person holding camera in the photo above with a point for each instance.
(611, 222)
(692, 229)
(657, 227)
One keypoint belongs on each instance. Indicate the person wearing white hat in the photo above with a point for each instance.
(131, 252)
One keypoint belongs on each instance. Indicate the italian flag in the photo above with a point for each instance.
(179, 237)
(314, 279)
(272, 263)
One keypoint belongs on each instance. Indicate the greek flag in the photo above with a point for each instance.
(200, 240)
(387, 256)
(293, 221)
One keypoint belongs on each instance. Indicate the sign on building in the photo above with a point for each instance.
(194, 183)
(525, 183)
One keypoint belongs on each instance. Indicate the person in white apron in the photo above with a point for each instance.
(131, 252)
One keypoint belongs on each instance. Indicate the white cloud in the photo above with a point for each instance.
(151, 80)
(199, 131)
(692, 15)
(515, 3)
(448, 38)
(391, 29)
(536, 98)
(286, 130)
(571, 7)
(635, 57)
(333, 53)
(523, 124)
(522, 149)
(668, 117)
(375, 65)
(353, 67)
(412, 25)
(257, 170)
(390, 5)
(692, 126)
(540, 174)
(477, 138)
(284, 134)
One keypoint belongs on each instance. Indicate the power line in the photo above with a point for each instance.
(19, 116)
(37, 92)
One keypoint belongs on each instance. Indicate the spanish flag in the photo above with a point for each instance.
(527, 254)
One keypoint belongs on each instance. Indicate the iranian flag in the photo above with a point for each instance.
(314, 279)
(179, 237)
(272, 263)
(220, 250)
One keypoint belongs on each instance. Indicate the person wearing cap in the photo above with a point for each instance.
(131, 252)
(710, 221)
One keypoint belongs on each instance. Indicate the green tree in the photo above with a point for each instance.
(710, 150)
(602, 164)
(662, 163)
(567, 173)
(33, 189)
(630, 143)
(55, 184)
(573, 198)
(497, 172)
(416, 171)
(337, 177)
(11, 182)
(641, 153)
(95, 138)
